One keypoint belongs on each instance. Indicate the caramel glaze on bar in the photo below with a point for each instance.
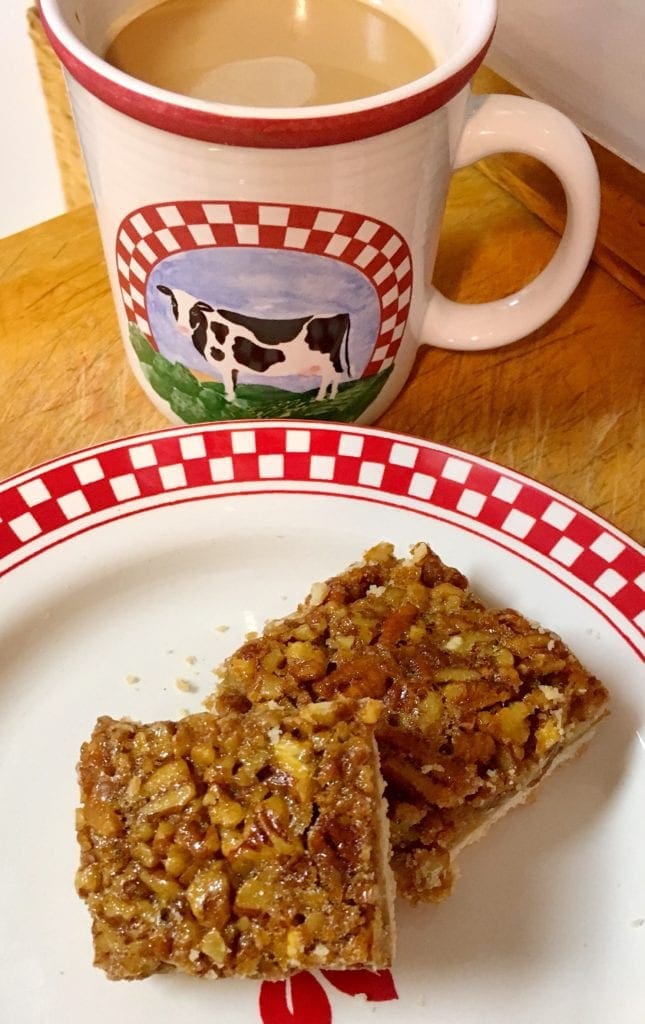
(478, 703)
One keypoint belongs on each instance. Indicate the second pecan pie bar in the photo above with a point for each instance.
(479, 703)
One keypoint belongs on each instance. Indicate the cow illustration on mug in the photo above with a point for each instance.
(313, 346)
(239, 310)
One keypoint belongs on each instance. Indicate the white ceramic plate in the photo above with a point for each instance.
(124, 560)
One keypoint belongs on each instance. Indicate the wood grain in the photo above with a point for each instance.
(66, 382)
(563, 406)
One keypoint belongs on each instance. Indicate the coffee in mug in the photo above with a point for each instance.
(283, 53)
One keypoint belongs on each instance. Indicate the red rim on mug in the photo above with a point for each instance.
(277, 128)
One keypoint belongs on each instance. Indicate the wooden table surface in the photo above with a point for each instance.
(563, 405)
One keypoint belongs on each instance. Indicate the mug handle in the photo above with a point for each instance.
(501, 124)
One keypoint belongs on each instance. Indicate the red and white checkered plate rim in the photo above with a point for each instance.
(61, 499)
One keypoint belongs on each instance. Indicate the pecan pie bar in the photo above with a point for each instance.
(479, 703)
(252, 845)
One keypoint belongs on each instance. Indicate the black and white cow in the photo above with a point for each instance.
(315, 346)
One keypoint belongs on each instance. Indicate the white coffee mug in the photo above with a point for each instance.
(277, 261)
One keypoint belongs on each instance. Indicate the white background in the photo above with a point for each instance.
(30, 187)
(584, 57)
